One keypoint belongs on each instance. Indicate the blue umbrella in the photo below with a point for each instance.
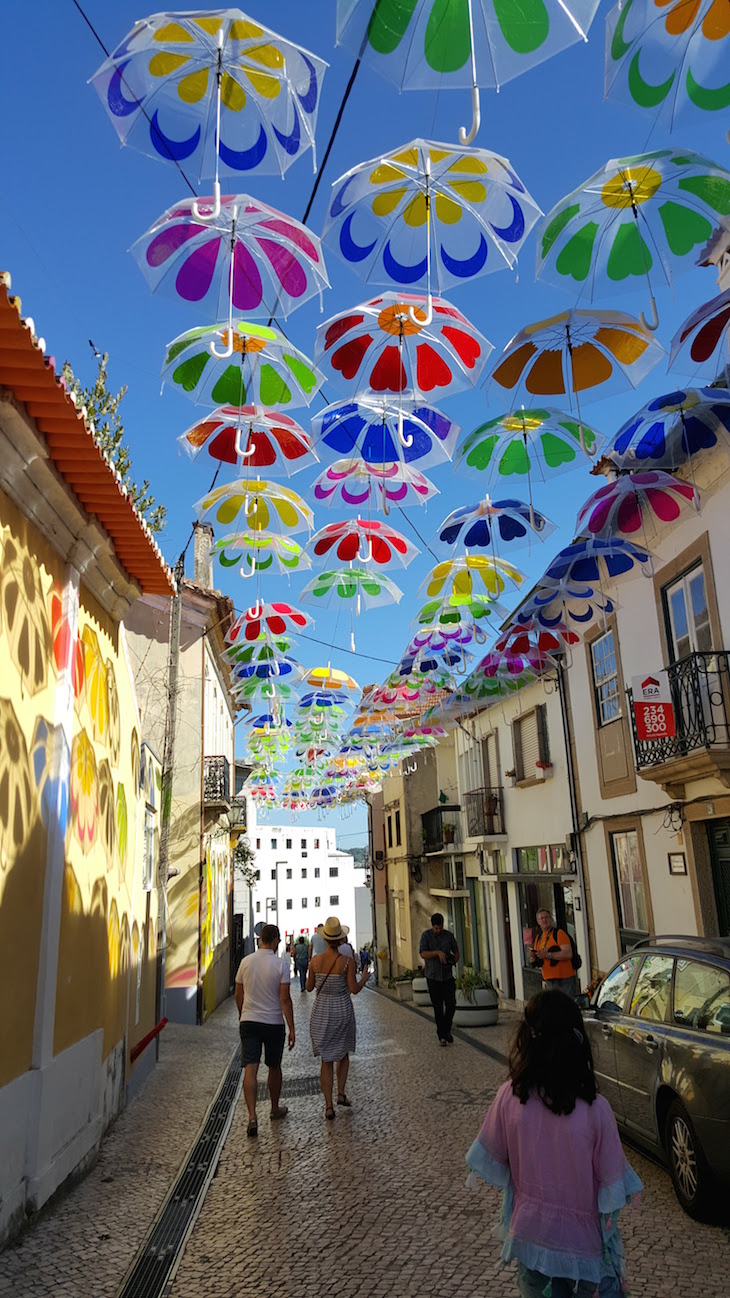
(281, 667)
(512, 521)
(672, 428)
(566, 604)
(594, 561)
(370, 427)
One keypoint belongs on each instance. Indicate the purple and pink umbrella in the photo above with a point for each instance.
(634, 504)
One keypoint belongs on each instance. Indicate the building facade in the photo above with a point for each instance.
(301, 878)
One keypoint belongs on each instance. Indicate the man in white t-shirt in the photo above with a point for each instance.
(264, 1002)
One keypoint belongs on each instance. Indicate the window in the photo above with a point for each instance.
(316, 844)
(605, 679)
(258, 875)
(273, 874)
(653, 986)
(397, 828)
(688, 617)
(489, 761)
(318, 901)
(304, 854)
(304, 871)
(629, 886)
(303, 843)
(258, 907)
(541, 860)
(258, 844)
(334, 871)
(390, 831)
(613, 990)
(289, 903)
(288, 845)
(316, 871)
(271, 904)
(304, 903)
(273, 844)
(702, 997)
(334, 900)
(288, 874)
(529, 736)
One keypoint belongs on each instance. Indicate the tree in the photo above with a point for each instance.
(243, 862)
(102, 409)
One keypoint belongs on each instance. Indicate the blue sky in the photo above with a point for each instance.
(74, 202)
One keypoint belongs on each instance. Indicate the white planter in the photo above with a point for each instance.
(404, 991)
(481, 1013)
(420, 991)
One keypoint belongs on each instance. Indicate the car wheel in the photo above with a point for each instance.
(687, 1163)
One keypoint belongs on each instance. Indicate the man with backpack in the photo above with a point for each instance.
(554, 952)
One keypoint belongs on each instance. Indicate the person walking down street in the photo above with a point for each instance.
(551, 1143)
(301, 961)
(552, 952)
(264, 1002)
(439, 952)
(332, 1021)
(318, 945)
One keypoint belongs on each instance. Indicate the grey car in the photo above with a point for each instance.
(659, 1027)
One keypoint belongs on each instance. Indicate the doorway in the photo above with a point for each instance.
(509, 972)
(718, 834)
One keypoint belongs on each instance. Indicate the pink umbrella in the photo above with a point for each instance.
(634, 503)
(354, 482)
(702, 334)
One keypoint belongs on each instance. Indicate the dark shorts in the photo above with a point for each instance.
(256, 1035)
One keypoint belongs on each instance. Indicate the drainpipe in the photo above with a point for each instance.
(577, 833)
(168, 771)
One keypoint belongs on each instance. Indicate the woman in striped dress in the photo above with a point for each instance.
(332, 1022)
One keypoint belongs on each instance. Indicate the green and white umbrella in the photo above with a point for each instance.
(257, 366)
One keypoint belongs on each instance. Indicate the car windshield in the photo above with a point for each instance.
(612, 993)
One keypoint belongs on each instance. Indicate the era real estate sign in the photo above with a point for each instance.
(653, 707)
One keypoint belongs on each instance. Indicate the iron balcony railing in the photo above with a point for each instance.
(700, 687)
(441, 828)
(216, 781)
(484, 813)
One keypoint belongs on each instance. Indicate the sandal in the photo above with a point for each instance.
(329, 1114)
(281, 1112)
(253, 1128)
(342, 1099)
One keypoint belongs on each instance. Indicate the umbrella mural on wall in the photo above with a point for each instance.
(671, 429)
(705, 332)
(368, 427)
(265, 439)
(364, 541)
(492, 523)
(264, 368)
(631, 506)
(354, 482)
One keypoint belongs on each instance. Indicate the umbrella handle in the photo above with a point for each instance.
(224, 355)
(367, 557)
(210, 213)
(352, 642)
(416, 319)
(408, 441)
(252, 566)
(466, 137)
(653, 324)
(244, 455)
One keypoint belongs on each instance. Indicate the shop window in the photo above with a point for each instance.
(605, 679)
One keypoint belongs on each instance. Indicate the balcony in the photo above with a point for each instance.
(700, 686)
(441, 829)
(216, 782)
(484, 813)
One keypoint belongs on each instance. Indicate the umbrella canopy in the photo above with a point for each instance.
(672, 428)
(469, 574)
(429, 214)
(566, 603)
(217, 91)
(343, 584)
(455, 611)
(535, 443)
(260, 551)
(594, 561)
(268, 691)
(436, 639)
(529, 636)
(510, 662)
(277, 619)
(282, 667)
(364, 541)
(330, 679)
(637, 215)
(382, 430)
(257, 366)
(353, 482)
(668, 58)
(492, 523)
(705, 332)
(380, 348)
(264, 439)
(631, 506)
(264, 505)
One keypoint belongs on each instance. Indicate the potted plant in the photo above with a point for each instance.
(402, 984)
(420, 988)
(476, 999)
(511, 775)
(542, 769)
(448, 829)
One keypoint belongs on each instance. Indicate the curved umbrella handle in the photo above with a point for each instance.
(352, 642)
(466, 137)
(224, 355)
(252, 567)
(243, 455)
(652, 324)
(416, 319)
(211, 213)
(405, 441)
(269, 690)
(367, 557)
(257, 609)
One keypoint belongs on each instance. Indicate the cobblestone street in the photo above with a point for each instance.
(330, 1208)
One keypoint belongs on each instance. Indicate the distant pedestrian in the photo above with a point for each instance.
(551, 1143)
(439, 951)
(301, 961)
(318, 945)
(345, 948)
(332, 1021)
(264, 1002)
(553, 954)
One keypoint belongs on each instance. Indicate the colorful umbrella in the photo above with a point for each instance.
(271, 692)
(664, 58)
(428, 662)
(353, 482)
(594, 561)
(381, 430)
(571, 604)
(359, 584)
(470, 574)
(649, 212)
(215, 90)
(276, 619)
(632, 504)
(672, 428)
(436, 45)
(265, 439)
(495, 522)
(265, 505)
(435, 639)
(429, 214)
(258, 366)
(522, 638)
(451, 612)
(364, 541)
(323, 700)
(578, 352)
(325, 795)
(280, 667)
(704, 332)
(246, 651)
(330, 679)
(260, 551)
(509, 662)
(265, 720)
(527, 443)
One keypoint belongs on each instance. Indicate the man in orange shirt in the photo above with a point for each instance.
(551, 950)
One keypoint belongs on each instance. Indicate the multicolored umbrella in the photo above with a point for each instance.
(382, 429)
(246, 651)
(265, 439)
(359, 584)
(470, 574)
(214, 90)
(271, 691)
(499, 663)
(633, 504)
(667, 56)
(493, 522)
(575, 353)
(672, 428)
(277, 619)
(265, 720)
(459, 612)
(260, 551)
(258, 366)
(265, 505)
(282, 666)
(364, 541)
(565, 604)
(704, 332)
(524, 638)
(435, 639)
(527, 443)
(594, 561)
(353, 482)
(651, 212)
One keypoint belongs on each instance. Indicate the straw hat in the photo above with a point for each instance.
(333, 931)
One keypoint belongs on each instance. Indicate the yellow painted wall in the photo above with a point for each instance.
(217, 884)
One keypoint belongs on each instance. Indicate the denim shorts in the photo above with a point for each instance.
(256, 1035)
(532, 1284)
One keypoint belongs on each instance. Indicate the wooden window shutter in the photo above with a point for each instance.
(542, 733)
(527, 728)
(517, 747)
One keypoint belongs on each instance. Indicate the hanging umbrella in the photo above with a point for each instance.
(672, 428)
(368, 427)
(278, 619)
(669, 57)
(631, 506)
(359, 584)
(330, 679)
(353, 482)
(527, 443)
(429, 662)
(652, 212)
(471, 574)
(524, 637)
(281, 667)
(260, 551)
(265, 505)
(495, 522)
(325, 795)
(704, 332)
(429, 44)
(429, 214)
(510, 662)
(270, 691)
(264, 721)
(215, 90)
(565, 603)
(458, 612)
(364, 540)
(595, 561)
(597, 353)
(265, 646)
(435, 639)
(265, 439)
(323, 700)
(257, 366)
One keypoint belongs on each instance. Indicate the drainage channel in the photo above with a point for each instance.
(153, 1270)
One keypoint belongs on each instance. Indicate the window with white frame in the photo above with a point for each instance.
(688, 614)
(318, 901)
(470, 774)
(605, 679)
